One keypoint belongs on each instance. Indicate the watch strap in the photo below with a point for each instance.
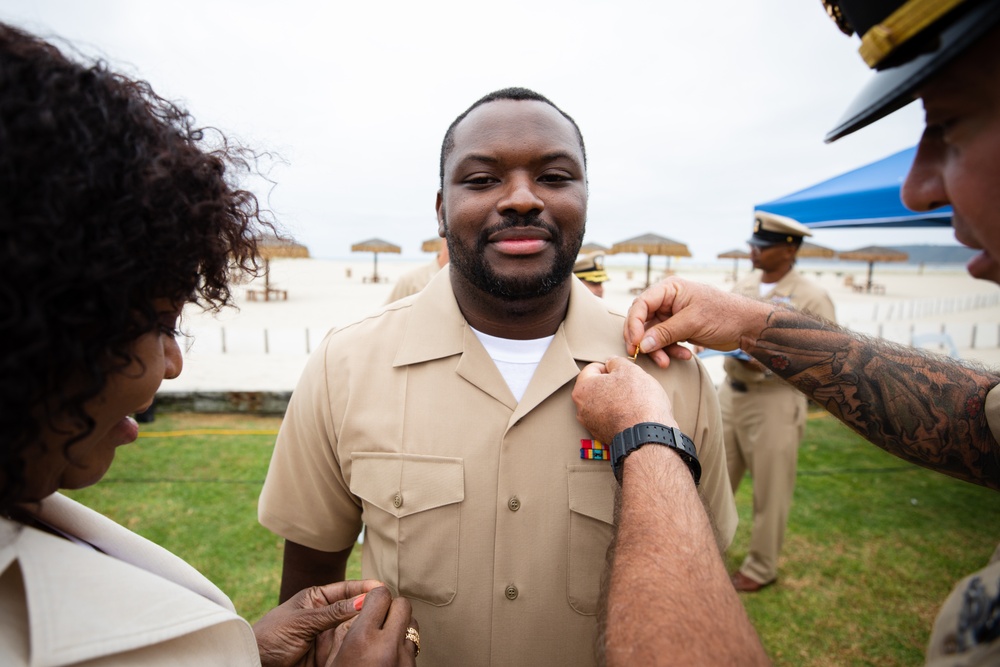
(646, 433)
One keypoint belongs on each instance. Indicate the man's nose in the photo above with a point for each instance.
(923, 189)
(520, 196)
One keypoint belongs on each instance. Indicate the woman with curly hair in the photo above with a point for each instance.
(113, 215)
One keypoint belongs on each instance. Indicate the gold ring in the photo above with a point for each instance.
(413, 636)
(636, 354)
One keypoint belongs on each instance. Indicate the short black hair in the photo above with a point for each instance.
(516, 94)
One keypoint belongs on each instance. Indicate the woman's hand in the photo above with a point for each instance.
(378, 636)
(300, 631)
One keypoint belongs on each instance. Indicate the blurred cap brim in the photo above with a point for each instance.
(893, 88)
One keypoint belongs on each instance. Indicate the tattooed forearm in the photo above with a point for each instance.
(923, 408)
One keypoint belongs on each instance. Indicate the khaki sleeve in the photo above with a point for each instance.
(818, 303)
(695, 403)
(715, 489)
(960, 637)
(823, 307)
(993, 411)
(402, 288)
(305, 497)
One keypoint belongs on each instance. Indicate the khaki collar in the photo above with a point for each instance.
(786, 285)
(436, 329)
(83, 604)
(584, 332)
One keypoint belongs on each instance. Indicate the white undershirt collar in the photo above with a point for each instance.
(515, 359)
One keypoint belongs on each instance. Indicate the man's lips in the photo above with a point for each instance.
(982, 265)
(520, 240)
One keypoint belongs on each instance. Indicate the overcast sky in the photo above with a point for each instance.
(691, 112)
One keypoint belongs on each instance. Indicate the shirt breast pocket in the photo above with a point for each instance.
(591, 518)
(412, 515)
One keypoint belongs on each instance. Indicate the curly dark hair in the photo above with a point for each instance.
(109, 199)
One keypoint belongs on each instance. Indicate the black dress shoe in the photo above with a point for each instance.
(744, 584)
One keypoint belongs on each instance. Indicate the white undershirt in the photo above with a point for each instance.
(765, 288)
(515, 359)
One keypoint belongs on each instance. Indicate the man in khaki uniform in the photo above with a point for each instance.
(589, 268)
(445, 421)
(763, 417)
(416, 279)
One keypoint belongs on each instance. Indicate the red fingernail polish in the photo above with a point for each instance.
(359, 601)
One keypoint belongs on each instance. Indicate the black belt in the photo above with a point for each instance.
(738, 386)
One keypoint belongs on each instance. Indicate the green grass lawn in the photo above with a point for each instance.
(873, 544)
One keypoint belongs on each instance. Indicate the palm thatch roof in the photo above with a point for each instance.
(432, 245)
(376, 245)
(652, 244)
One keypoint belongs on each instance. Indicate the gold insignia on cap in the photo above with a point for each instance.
(590, 267)
(911, 18)
(881, 39)
(834, 11)
(770, 228)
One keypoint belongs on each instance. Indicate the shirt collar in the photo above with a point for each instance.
(586, 328)
(83, 604)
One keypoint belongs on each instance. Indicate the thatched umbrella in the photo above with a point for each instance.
(872, 254)
(592, 247)
(736, 256)
(270, 247)
(652, 244)
(376, 246)
(432, 245)
(814, 251)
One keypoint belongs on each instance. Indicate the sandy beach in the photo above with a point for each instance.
(263, 346)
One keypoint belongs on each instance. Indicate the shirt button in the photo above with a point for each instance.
(511, 592)
(397, 500)
(514, 504)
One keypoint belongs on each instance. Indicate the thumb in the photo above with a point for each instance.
(616, 364)
(660, 335)
(592, 370)
(314, 621)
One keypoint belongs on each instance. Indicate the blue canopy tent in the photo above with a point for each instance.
(865, 197)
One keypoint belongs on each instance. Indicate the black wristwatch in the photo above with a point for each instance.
(645, 433)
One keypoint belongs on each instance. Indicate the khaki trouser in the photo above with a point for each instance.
(762, 427)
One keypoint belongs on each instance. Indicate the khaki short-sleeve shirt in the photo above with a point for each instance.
(477, 508)
(965, 631)
(414, 280)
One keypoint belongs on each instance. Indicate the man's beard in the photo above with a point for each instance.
(471, 262)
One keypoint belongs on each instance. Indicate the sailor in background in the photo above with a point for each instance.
(589, 268)
(764, 417)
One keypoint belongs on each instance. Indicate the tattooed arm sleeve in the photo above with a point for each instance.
(920, 407)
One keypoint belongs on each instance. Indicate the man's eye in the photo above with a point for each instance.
(937, 129)
(479, 180)
(555, 178)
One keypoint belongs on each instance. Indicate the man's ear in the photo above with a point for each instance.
(439, 208)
